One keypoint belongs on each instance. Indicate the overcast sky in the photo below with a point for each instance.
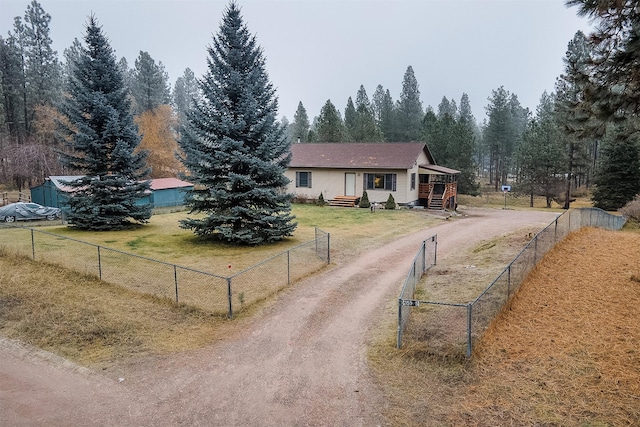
(319, 50)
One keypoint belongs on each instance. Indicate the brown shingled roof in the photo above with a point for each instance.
(396, 155)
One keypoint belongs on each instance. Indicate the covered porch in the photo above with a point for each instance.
(438, 187)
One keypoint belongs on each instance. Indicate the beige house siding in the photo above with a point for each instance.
(331, 183)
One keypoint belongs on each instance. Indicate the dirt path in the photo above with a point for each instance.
(302, 363)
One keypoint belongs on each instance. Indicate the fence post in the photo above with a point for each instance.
(399, 340)
(99, 264)
(469, 344)
(535, 250)
(435, 248)
(328, 248)
(175, 279)
(289, 267)
(230, 315)
(509, 280)
(33, 246)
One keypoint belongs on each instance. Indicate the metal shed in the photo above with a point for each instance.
(164, 192)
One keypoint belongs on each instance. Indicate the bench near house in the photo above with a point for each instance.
(343, 171)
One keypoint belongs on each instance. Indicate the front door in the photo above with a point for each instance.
(349, 184)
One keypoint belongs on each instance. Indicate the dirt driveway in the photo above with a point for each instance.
(303, 363)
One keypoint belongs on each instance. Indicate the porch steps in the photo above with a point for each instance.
(344, 201)
(436, 203)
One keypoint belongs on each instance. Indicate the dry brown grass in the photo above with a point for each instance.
(565, 354)
(91, 322)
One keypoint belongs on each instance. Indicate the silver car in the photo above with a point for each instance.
(22, 211)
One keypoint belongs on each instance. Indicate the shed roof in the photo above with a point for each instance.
(359, 155)
(156, 184)
(61, 181)
(166, 183)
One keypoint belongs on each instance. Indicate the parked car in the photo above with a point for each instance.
(22, 211)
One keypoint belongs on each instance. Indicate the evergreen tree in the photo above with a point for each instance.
(618, 179)
(390, 203)
(541, 155)
(350, 120)
(300, 125)
(11, 84)
(612, 86)
(366, 129)
(42, 67)
(447, 107)
(384, 113)
(149, 84)
(570, 88)
(507, 120)
(185, 94)
(29, 71)
(364, 200)
(234, 149)
(409, 110)
(102, 138)
(451, 142)
(329, 127)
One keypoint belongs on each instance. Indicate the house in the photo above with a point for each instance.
(343, 171)
(164, 192)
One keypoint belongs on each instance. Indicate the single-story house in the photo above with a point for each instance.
(405, 170)
(164, 192)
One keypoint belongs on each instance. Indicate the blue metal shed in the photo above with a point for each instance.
(164, 192)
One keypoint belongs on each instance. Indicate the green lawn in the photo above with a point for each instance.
(351, 230)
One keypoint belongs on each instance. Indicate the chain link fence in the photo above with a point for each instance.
(211, 292)
(451, 329)
(424, 260)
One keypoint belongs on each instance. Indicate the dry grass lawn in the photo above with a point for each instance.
(567, 352)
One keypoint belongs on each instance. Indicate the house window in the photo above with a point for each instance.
(380, 181)
(413, 181)
(303, 179)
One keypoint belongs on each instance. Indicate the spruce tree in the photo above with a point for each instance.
(102, 138)
(618, 179)
(234, 149)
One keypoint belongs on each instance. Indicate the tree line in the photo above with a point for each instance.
(584, 134)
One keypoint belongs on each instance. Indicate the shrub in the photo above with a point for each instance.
(390, 203)
(364, 201)
(320, 201)
(631, 210)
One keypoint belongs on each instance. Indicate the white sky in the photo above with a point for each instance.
(318, 50)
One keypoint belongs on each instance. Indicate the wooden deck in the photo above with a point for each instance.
(344, 201)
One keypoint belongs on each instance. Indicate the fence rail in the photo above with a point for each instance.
(453, 328)
(211, 292)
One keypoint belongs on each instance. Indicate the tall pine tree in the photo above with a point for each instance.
(300, 125)
(409, 111)
(235, 150)
(150, 87)
(102, 138)
(330, 127)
